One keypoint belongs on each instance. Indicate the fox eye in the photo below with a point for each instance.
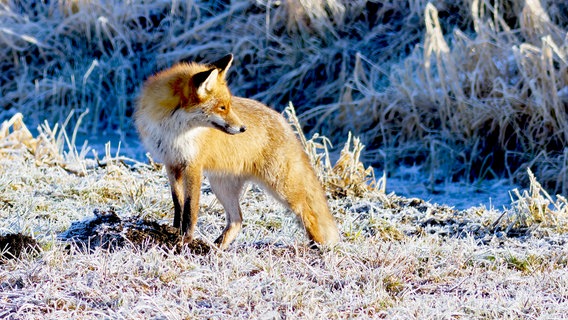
(222, 108)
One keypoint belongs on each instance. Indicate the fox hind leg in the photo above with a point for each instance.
(228, 191)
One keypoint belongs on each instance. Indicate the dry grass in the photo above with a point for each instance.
(482, 100)
(348, 177)
(470, 88)
(399, 258)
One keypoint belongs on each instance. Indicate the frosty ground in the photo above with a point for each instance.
(398, 258)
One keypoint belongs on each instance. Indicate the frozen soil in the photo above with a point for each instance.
(14, 244)
(108, 231)
(399, 257)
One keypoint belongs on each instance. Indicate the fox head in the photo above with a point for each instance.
(206, 99)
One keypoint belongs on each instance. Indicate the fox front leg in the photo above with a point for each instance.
(176, 185)
(192, 188)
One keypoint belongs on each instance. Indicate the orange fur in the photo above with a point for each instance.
(195, 126)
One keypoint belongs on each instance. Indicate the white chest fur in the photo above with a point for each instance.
(171, 143)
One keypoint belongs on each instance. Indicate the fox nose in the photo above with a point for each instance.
(243, 129)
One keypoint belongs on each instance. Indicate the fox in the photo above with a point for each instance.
(187, 118)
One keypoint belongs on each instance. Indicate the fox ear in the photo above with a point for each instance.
(223, 64)
(205, 81)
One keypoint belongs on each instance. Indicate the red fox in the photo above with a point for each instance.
(187, 118)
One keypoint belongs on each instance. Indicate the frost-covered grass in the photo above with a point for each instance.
(472, 89)
(398, 258)
(467, 88)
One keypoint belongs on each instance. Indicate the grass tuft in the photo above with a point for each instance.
(535, 207)
(348, 176)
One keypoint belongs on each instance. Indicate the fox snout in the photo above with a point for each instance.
(230, 125)
(227, 128)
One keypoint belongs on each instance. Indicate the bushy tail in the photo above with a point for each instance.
(309, 203)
